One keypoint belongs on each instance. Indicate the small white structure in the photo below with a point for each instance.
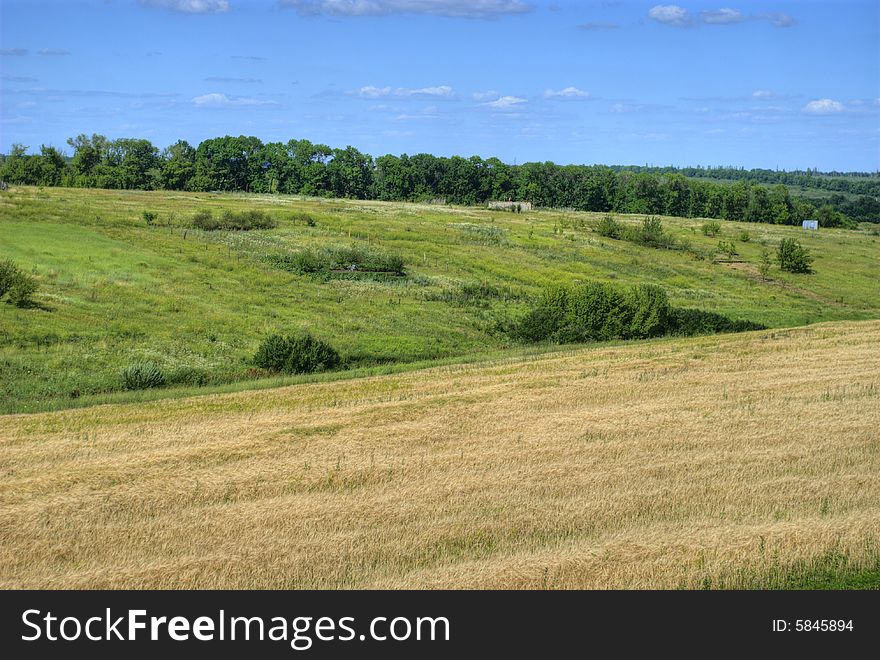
(810, 224)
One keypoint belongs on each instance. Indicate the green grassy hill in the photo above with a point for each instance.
(115, 291)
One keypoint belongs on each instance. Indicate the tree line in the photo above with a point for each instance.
(247, 164)
(856, 183)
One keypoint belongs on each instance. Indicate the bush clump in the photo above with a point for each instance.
(142, 376)
(794, 257)
(688, 322)
(304, 218)
(595, 312)
(16, 285)
(296, 354)
(651, 234)
(233, 221)
(192, 376)
(609, 227)
(600, 312)
(711, 228)
(340, 259)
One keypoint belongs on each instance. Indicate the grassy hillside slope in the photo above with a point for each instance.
(733, 460)
(115, 291)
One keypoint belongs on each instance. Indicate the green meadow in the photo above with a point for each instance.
(115, 290)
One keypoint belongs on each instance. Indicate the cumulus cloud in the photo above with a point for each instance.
(485, 96)
(504, 102)
(567, 93)
(448, 8)
(372, 92)
(722, 16)
(13, 52)
(777, 20)
(190, 6)
(54, 51)
(670, 15)
(823, 107)
(216, 100)
(679, 17)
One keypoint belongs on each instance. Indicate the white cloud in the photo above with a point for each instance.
(679, 17)
(190, 6)
(448, 8)
(13, 52)
(216, 100)
(723, 16)
(485, 96)
(777, 20)
(823, 107)
(372, 92)
(762, 94)
(567, 93)
(504, 102)
(53, 51)
(427, 113)
(670, 15)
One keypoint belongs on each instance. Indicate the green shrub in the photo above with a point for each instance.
(8, 273)
(596, 312)
(745, 237)
(609, 227)
(273, 353)
(297, 354)
(205, 220)
(728, 248)
(688, 322)
(233, 221)
(711, 228)
(546, 318)
(473, 293)
(649, 310)
(142, 376)
(765, 264)
(304, 218)
(18, 286)
(793, 257)
(651, 234)
(246, 220)
(149, 217)
(600, 312)
(192, 376)
(353, 259)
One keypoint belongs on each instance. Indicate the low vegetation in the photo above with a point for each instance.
(234, 221)
(793, 257)
(389, 284)
(339, 259)
(16, 285)
(296, 354)
(601, 312)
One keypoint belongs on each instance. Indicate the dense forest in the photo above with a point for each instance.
(247, 164)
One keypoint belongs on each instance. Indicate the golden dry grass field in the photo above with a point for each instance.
(715, 461)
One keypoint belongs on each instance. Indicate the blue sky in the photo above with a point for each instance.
(754, 84)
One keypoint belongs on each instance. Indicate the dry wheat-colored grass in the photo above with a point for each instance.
(656, 464)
